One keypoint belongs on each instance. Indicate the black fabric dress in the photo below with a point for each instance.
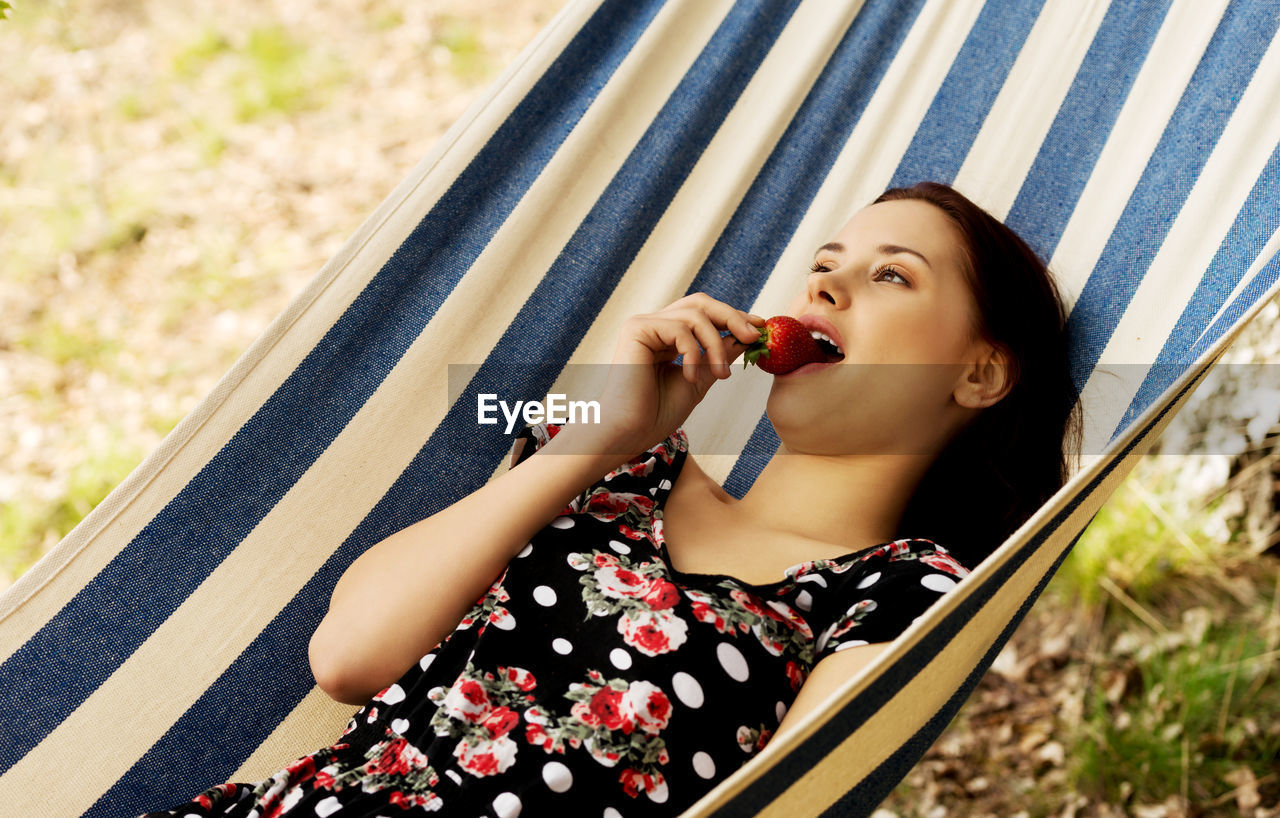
(593, 679)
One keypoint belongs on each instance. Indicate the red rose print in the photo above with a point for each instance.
(620, 583)
(500, 721)
(606, 708)
(879, 552)
(389, 761)
(630, 533)
(661, 595)
(482, 757)
(749, 602)
(635, 782)
(649, 706)
(520, 677)
(945, 563)
(302, 769)
(795, 675)
(467, 701)
(653, 633)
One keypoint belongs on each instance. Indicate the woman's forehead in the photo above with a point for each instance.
(908, 223)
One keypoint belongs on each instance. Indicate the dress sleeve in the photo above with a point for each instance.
(883, 593)
(646, 470)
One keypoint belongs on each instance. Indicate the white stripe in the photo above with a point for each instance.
(1176, 50)
(1024, 110)
(1221, 189)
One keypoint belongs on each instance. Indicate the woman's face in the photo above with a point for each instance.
(890, 292)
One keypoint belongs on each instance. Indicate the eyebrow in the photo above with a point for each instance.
(887, 249)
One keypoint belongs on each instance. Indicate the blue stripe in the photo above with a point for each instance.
(525, 362)
(967, 93)
(1224, 71)
(1066, 159)
(1262, 286)
(62, 664)
(1249, 233)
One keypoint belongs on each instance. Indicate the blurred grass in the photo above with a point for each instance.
(161, 173)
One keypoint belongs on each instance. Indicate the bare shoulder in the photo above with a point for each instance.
(828, 676)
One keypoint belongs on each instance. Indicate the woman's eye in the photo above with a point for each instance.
(819, 268)
(885, 272)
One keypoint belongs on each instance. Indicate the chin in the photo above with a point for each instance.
(834, 426)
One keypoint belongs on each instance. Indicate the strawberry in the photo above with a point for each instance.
(784, 345)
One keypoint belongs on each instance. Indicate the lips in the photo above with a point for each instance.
(826, 334)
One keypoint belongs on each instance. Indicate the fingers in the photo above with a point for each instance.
(692, 327)
(706, 317)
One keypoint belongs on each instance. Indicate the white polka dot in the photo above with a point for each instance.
(804, 601)
(852, 643)
(610, 812)
(504, 621)
(328, 806)
(425, 661)
(559, 522)
(562, 646)
(658, 794)
(401, 726)
(703, 765)
(869, 580)
(867, 605)
(454, 776)
(664, 484)
(937, 582)
(507, 805)
(814, 578)
(526, 551)
(392, 695)
(544, 595)
(780, 709)
(557, 776)
(620, 547)
(654, 491)
(733, 662)
(620, 658)
(687, 690)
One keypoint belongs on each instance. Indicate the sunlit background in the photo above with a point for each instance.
(173, 173)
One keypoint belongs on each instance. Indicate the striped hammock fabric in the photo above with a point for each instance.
(636, 151)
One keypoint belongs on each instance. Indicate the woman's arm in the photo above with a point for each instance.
(827, 677)
(405, 594)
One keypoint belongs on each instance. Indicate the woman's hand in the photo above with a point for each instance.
(646, 398)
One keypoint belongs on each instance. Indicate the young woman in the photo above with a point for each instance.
(647, 633)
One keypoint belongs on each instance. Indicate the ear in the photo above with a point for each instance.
(986, 379)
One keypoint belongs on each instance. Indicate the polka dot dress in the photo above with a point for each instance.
(593, 679)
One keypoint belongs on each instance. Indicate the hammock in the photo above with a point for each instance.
(636, 151)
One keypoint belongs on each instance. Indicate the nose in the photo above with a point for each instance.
(827, 287)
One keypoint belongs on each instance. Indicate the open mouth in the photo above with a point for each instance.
(829, 347)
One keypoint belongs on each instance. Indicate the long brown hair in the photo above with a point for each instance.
(1006, 463)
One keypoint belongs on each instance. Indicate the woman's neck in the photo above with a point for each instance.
(852, 500)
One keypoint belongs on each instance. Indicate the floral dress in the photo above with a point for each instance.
(595, 679)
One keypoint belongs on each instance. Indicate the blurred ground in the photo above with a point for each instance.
(173, 173)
